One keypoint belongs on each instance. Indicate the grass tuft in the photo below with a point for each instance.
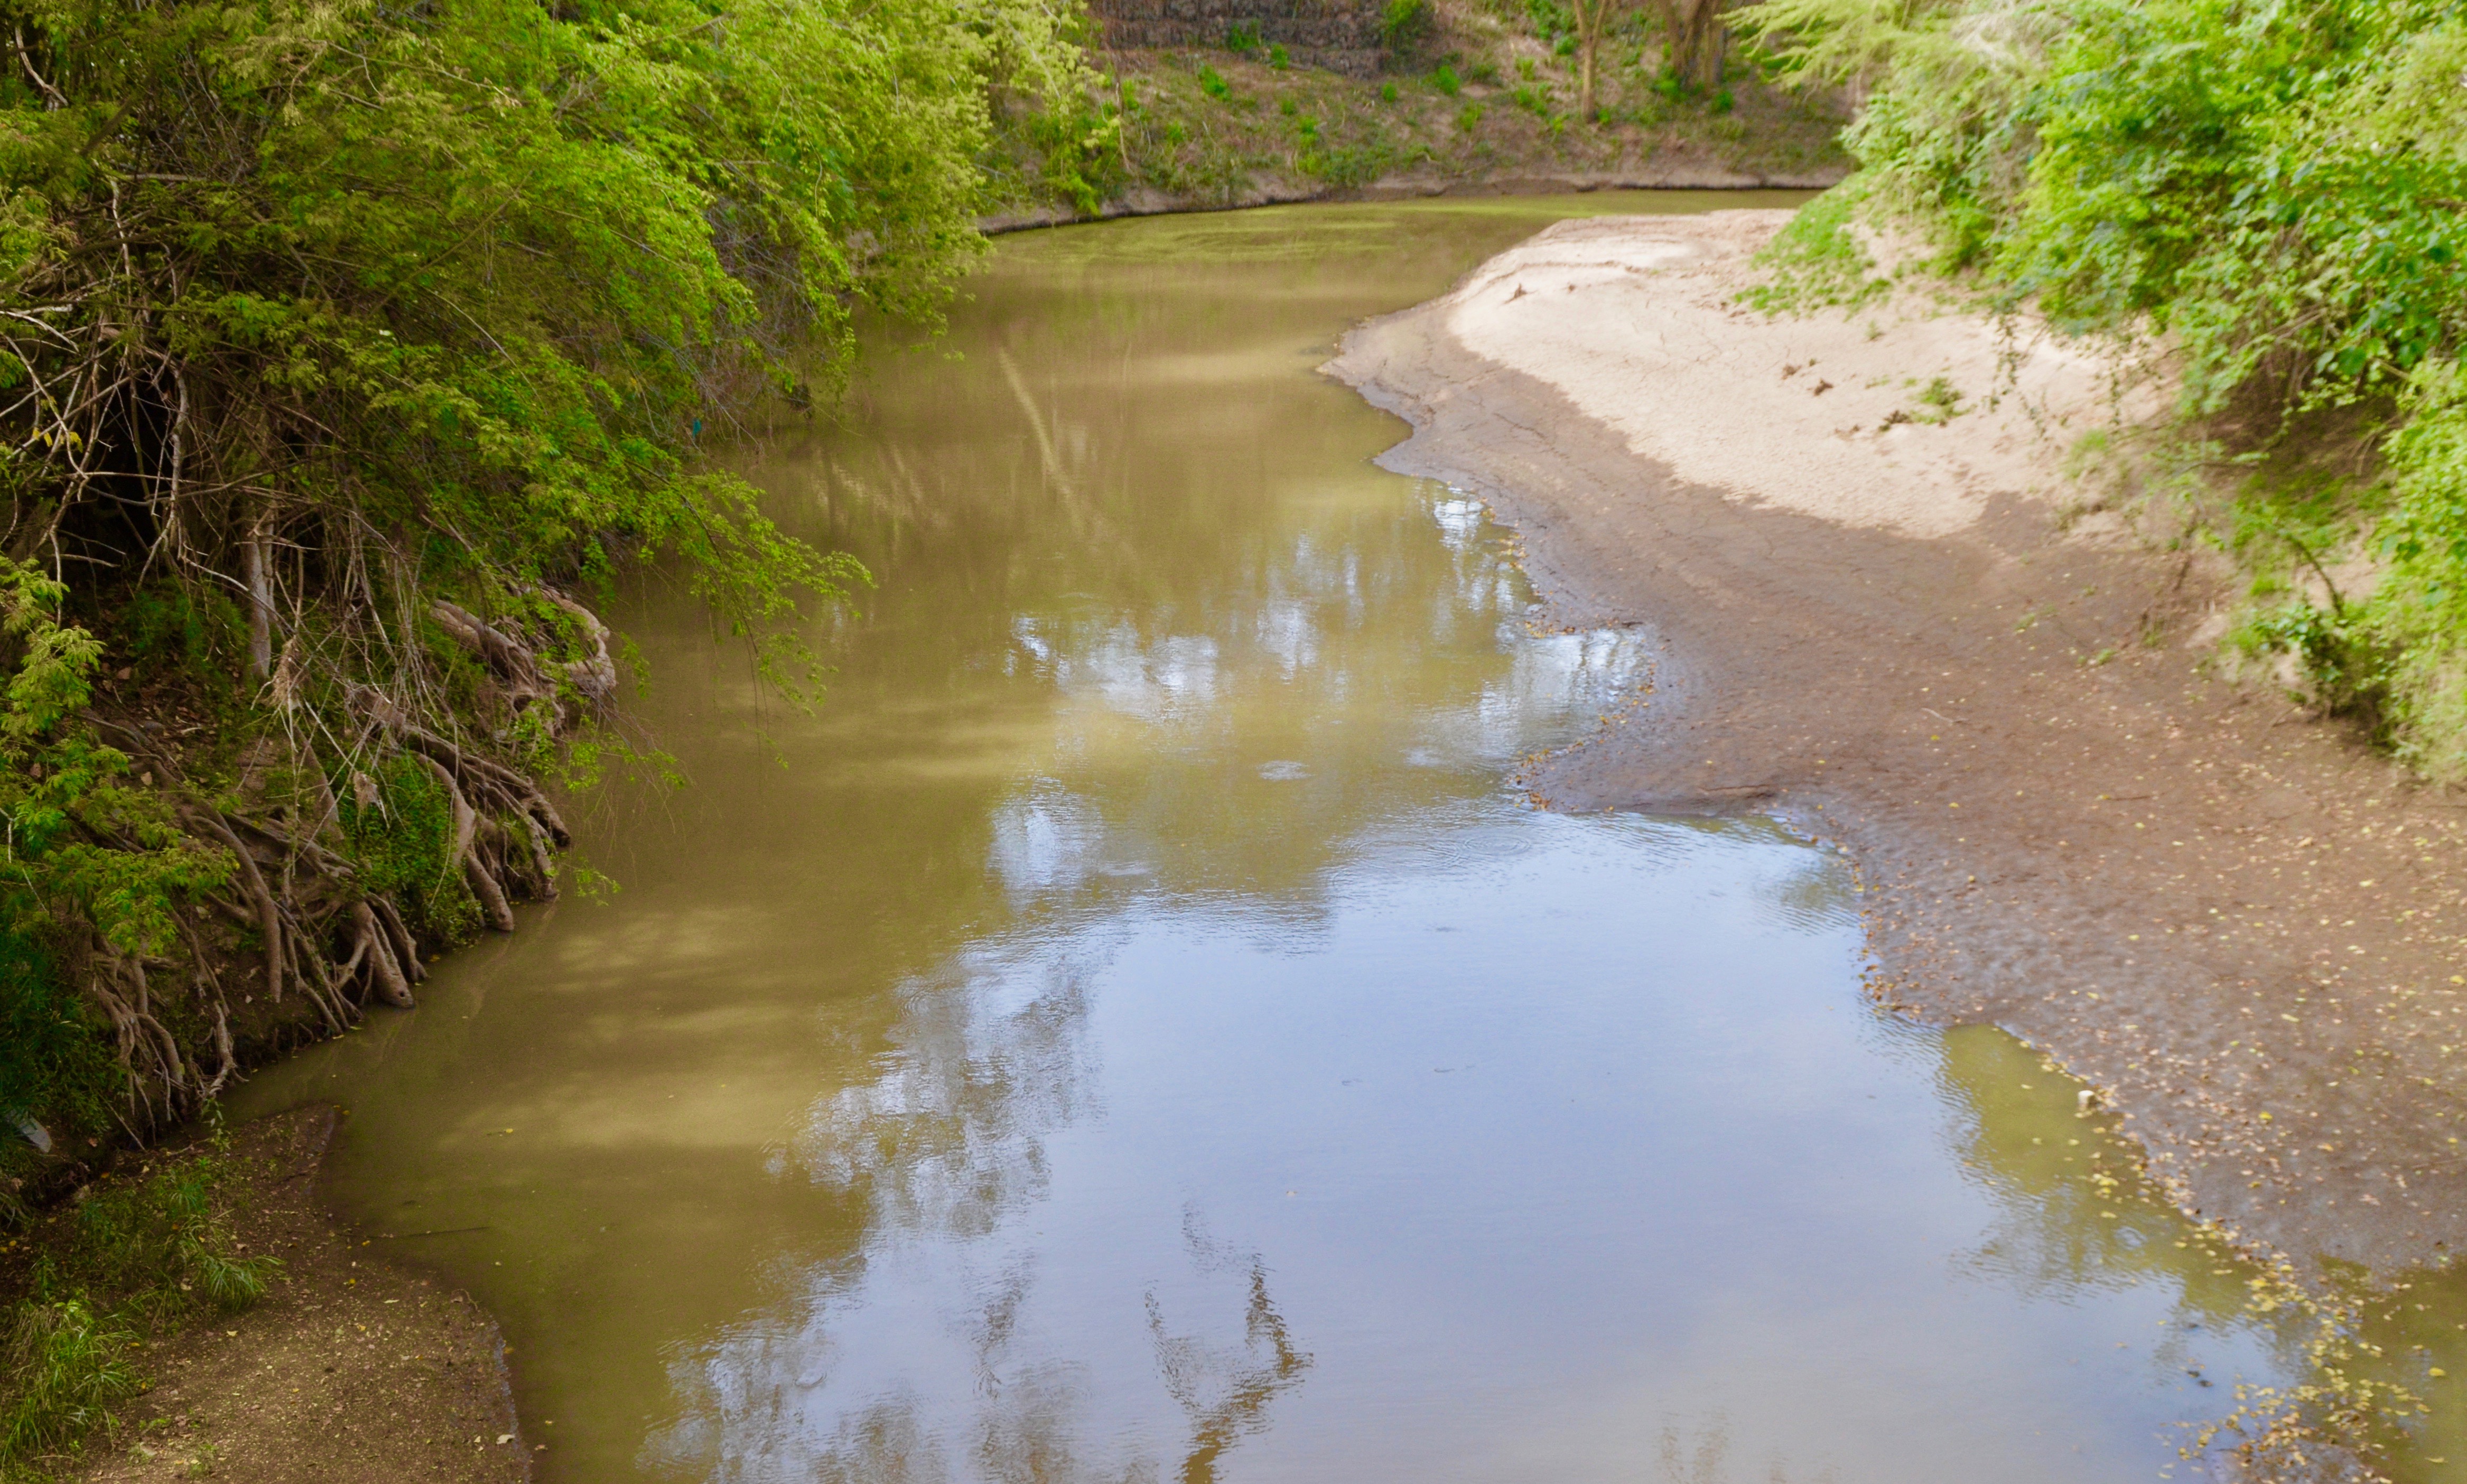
(67, 1366)
(136, 1257)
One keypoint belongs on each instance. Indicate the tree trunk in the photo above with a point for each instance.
(1592, 18)
(1697, 41)
(261, 599)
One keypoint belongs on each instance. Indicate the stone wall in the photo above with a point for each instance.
(1341, 36)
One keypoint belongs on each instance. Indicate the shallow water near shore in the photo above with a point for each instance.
(1128, 1032)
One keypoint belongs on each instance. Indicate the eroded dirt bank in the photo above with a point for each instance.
(1678, 169)
(2229, 915)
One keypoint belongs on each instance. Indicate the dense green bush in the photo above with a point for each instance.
(1816, 262)
(475, 274)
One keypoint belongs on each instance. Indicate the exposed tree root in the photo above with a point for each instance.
(321, 934)
(148, 1050)
(406, 953)
(269, 916)
(523, 677)
(376, 946)
(595, 674)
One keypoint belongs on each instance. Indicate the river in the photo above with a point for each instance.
(1129, 1030)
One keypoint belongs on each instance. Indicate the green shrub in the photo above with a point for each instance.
(435, 298)
(1405, 24)
(1816, 260)
(1553, 23)
(1446, 81)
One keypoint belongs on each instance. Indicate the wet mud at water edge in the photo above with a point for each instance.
(1132, 1030)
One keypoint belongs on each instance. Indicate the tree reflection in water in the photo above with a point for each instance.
(989, 1059)
(1225, 1391)
(855, 1379)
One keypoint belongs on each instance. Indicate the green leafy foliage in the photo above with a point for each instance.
(96, 865)
(1553, 23)
(482, 272)
(2415, 620)
(80, 839)
(2251, 179)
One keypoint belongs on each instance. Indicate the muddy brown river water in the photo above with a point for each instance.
(1130, 1032)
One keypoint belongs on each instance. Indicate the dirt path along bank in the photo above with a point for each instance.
(354, 1369)
(1874, 620)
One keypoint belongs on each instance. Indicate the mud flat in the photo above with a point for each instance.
(1880, 623)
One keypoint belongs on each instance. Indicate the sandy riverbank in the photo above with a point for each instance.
(2229, 915)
